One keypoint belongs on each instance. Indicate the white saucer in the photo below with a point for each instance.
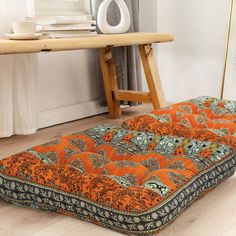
(23, 37)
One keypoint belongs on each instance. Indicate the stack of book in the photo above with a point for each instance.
(65, 26)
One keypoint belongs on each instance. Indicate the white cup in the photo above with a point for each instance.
(26, 28)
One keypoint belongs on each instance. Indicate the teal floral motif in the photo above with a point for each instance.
(142, 140)
(229, 106)
(78, 165)
(78, 143)
(52, 156)
(220, 132)
(152, 164)
(101, 130)
(69, 152)
(125, 164)
(131, 179)
(162, 118)
(154, 183)
(177, 179)
(119, 134)
(185, 122)
(187, 109)
(178, 165)
(164, 145)
(167, 145)
(99, 161)
(121, 180)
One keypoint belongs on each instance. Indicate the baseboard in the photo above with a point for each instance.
(69, 113)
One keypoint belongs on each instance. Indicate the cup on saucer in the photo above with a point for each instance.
(26, 28)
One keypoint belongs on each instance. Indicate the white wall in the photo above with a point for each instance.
(193, 64)
(148, 15)
(230, 75)
(66, 78)
(67, 87)
(148, 23)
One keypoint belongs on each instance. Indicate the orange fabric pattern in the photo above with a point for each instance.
(204, 118)
(134, 179)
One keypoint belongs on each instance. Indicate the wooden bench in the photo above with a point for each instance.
(105, 43)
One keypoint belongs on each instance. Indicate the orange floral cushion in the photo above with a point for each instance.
(134, 179)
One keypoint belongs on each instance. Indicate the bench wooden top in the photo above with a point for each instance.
(101, 41)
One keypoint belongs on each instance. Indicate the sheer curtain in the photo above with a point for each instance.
(17, 78)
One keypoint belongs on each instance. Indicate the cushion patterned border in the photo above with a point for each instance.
(136, 179)
(149, 222)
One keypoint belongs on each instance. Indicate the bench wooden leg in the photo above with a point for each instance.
(110, 81)
(152, 76)
(114, 95)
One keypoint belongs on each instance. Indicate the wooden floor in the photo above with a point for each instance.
(213, 215)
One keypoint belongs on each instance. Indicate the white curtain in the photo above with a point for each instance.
(17, 78)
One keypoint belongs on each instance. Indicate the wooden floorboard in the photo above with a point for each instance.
(213, 215)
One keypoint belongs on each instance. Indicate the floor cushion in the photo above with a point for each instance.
(135, 179)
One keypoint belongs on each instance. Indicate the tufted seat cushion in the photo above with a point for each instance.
(136, 179)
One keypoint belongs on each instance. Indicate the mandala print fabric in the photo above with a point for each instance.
(136, 179)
